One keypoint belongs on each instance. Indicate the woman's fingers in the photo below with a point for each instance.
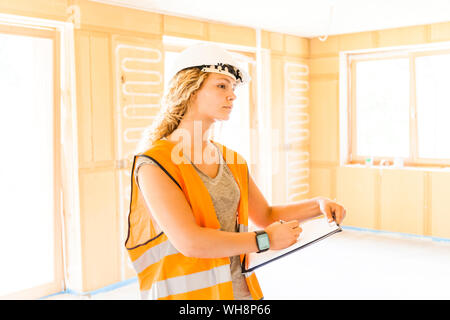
(332, 210)
(325, 209)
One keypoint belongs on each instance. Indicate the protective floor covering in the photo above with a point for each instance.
(362, 265)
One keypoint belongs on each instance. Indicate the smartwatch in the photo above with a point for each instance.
(262, 241)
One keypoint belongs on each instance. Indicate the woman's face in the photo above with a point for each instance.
(214, 100)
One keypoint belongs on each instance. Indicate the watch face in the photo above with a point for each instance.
(263, 241)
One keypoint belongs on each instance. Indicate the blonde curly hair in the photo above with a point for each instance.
(174, 106)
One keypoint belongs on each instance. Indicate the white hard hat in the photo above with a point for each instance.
(209, 57)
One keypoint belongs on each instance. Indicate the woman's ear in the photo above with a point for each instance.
(192, 98)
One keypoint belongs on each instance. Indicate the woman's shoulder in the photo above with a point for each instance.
(160, 154)
(158, 148)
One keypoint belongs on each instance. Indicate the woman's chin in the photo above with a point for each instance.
(222, 117)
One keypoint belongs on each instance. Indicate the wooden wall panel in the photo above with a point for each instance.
(84, 110)
(277, 103)
(231, 34)
(321, 182)
(102, 107)
(287, 45)
(99, 228)
(357, 41)
(276, 42)
(296, 127)
(265, 39)
(181, 27)
(402, 201)
(356, 191)
(324, 66)
(296, 46)
(54, 9)
(94, 96)
(402, 36)
(324, 121)
(330, 47)
(440, 225)
(440, 31)
(118, 17)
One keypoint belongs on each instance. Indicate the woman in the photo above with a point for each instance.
(191, 197)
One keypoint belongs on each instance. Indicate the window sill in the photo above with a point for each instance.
(425, 169)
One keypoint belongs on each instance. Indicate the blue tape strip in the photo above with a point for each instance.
(406, 235)
(101, 290)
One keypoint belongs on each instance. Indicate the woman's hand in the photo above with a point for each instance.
(332, 210)
(283, 234)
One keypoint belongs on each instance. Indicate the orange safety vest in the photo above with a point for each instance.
(163, 272)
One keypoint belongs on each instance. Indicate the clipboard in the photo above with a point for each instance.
(313, 231)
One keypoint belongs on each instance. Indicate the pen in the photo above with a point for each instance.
(334, 218)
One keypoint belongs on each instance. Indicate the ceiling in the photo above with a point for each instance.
(305, 18)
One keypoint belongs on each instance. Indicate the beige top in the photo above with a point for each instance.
(225, 196)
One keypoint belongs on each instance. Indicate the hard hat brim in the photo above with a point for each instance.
(209, 58)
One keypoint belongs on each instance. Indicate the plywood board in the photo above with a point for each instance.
(356, 191)
(402, 201)
(440, 216)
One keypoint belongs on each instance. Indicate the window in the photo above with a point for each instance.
(433, 106)
(399, 107)
(30, 232)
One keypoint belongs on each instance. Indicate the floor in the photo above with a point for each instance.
(130, 291)
(354, 264)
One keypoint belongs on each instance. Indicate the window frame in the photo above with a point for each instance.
(413, 159)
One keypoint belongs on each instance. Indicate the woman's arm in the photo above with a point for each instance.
(262, 214)
(174, 216)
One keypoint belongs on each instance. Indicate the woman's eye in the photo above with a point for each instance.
(224, 86)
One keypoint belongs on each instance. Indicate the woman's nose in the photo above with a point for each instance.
(232, 96)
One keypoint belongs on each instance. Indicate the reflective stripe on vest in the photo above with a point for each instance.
(153, 255)
(243, 228)
(191, 282)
